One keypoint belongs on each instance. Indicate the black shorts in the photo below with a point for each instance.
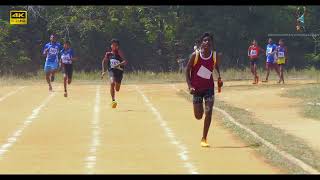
(116, 74)
(207, 95)
(253, 61)
(67, 69)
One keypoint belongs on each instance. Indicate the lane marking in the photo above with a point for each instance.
(91, 159)
(284, 154)
(11, 93)
(13, 139)
(182, 149)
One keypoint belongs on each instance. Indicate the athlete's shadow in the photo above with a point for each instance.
(255, 145)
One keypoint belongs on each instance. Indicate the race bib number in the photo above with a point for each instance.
(66, 58)
(203, 72)
(269, 50)
(253, 52)
(114, 62)
(280, 54)
(53, 51)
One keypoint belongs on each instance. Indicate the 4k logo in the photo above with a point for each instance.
(18, 17)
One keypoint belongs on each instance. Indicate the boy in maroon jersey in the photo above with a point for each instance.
(200, 82)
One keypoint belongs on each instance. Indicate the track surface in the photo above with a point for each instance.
(151, 131)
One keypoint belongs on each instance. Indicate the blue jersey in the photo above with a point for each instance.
(66, 55)
(53, 52)
(281, 52)
(270, 48)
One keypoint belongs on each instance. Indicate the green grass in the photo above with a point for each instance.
(308, 94)
(286, 142)
(158, 77)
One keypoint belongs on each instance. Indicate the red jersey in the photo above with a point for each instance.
(201, 73)
(253, 52)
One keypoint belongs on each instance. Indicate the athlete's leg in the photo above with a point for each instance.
(117, 86)
(251, 68)
(118, 79)
(281, 73)
(198, 110)
(47, 70)
(209, 101)
(65, 78)
(276, 67)
(268, 72)
(112, 88)
(70, 72)
(52, 76)
(252, 71)
(255, 72)
(198, 106)
(48, 80)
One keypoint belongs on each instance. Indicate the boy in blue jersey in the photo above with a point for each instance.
(271, 63)
(67, 58)
(51, 51)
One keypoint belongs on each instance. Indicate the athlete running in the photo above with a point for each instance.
(271, 63)
(67, 58)
(200, 82)
(253, 54)
(116, 63)
(51, 51)
(282, 54)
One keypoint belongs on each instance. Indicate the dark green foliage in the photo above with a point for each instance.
(152, 37)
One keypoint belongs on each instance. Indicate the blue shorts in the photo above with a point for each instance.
(270, 59)
(50, 66)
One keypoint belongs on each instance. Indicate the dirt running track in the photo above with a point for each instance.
(270, 107)
(151, 131)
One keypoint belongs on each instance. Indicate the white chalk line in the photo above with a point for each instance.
(11, 93)
(91, 159)
(284, 154)
(183, 151)
(13, 139)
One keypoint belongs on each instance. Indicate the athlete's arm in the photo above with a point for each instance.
(188, 72)
(124, 62)
(276, 52)
(249, 51)
(217, 64)
(104, 60)
(286, 60)
(73, 57)
(45, 50)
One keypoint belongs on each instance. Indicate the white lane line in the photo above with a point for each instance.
(284, 154)
(182, 149)
(35, 112)
(91, 159)
(11, 93)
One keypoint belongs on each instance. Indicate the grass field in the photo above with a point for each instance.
(153, 129)
(161, 77)
(310, 100)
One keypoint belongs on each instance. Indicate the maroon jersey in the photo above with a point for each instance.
(201, 73)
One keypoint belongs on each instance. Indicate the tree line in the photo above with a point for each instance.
(153, 37)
